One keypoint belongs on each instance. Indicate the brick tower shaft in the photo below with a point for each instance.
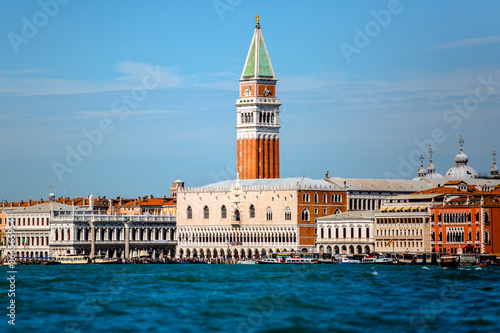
(257, 110)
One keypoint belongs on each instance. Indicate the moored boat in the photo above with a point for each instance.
(385, 261)
(247, 262)
(348, 261)
(301, 261)
(102, 260)
(73, 260)
(269, 261)
(449, 262)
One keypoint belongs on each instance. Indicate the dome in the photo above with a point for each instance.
(461, 158)
(433, 175)
(52, 196)
(494, 170)
(461, 170)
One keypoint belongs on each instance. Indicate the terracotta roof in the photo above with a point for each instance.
(452, 190)
(454, 182)
(98, 202)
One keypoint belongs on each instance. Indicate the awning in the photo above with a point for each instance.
(423, 207)
(383, 209)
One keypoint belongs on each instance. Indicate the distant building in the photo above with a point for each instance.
(468, 224)
(404, 222)
(369, 194)
(349, 232)
(242, 218)
(52, 229)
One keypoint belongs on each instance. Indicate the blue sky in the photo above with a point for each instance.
(359, 104)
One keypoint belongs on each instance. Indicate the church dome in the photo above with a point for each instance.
(461, 170)
(494, 170)
(461, 158)
(431, 169)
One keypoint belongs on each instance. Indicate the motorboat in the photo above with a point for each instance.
(301, 261)
(449, 262)
(247, 262)
(73, 259)
(348, 261)
(269, 261)
(102, 260)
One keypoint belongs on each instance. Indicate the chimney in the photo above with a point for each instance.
(326, 174)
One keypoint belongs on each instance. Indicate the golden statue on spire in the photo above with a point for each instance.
(257, 19)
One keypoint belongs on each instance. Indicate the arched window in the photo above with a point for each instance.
(337, 211)
(223, 212)
(315, 197)
(322, 233)
(237, 215)
(305, 214)
(269, 214)
(252, 211)
(288, 214)
(487, 237)
(329, 232)
(305, 197)
(367, 232)
(206, 212)
(189, 212)
(325, 198)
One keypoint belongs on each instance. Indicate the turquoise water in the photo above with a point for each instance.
(253, 298)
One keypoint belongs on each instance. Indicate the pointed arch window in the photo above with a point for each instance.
(315, 197)
(189, 212)
(206, 212)
(269, 214)
(252, 211)
(223, 212)
(305, 214)
(288, 214)
(237, 215)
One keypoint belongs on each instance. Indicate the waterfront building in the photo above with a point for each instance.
(3, 234)
(348, 232)
(242, 218)
(368, 194)
(118, 236)
(51, 228)
(257, 112)
(468, 224)
(403, 223)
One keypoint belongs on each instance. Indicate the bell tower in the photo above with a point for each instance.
(257, 110)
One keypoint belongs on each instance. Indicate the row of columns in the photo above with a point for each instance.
(364, 204)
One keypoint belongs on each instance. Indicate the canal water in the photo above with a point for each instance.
(252, 298)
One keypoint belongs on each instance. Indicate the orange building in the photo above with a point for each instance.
(315, 204)
(469, 224)
(258, 115)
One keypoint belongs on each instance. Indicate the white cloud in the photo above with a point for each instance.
(468, 43)
(133, 74)
(111, 114)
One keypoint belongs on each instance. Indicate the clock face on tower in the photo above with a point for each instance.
(266, 90)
